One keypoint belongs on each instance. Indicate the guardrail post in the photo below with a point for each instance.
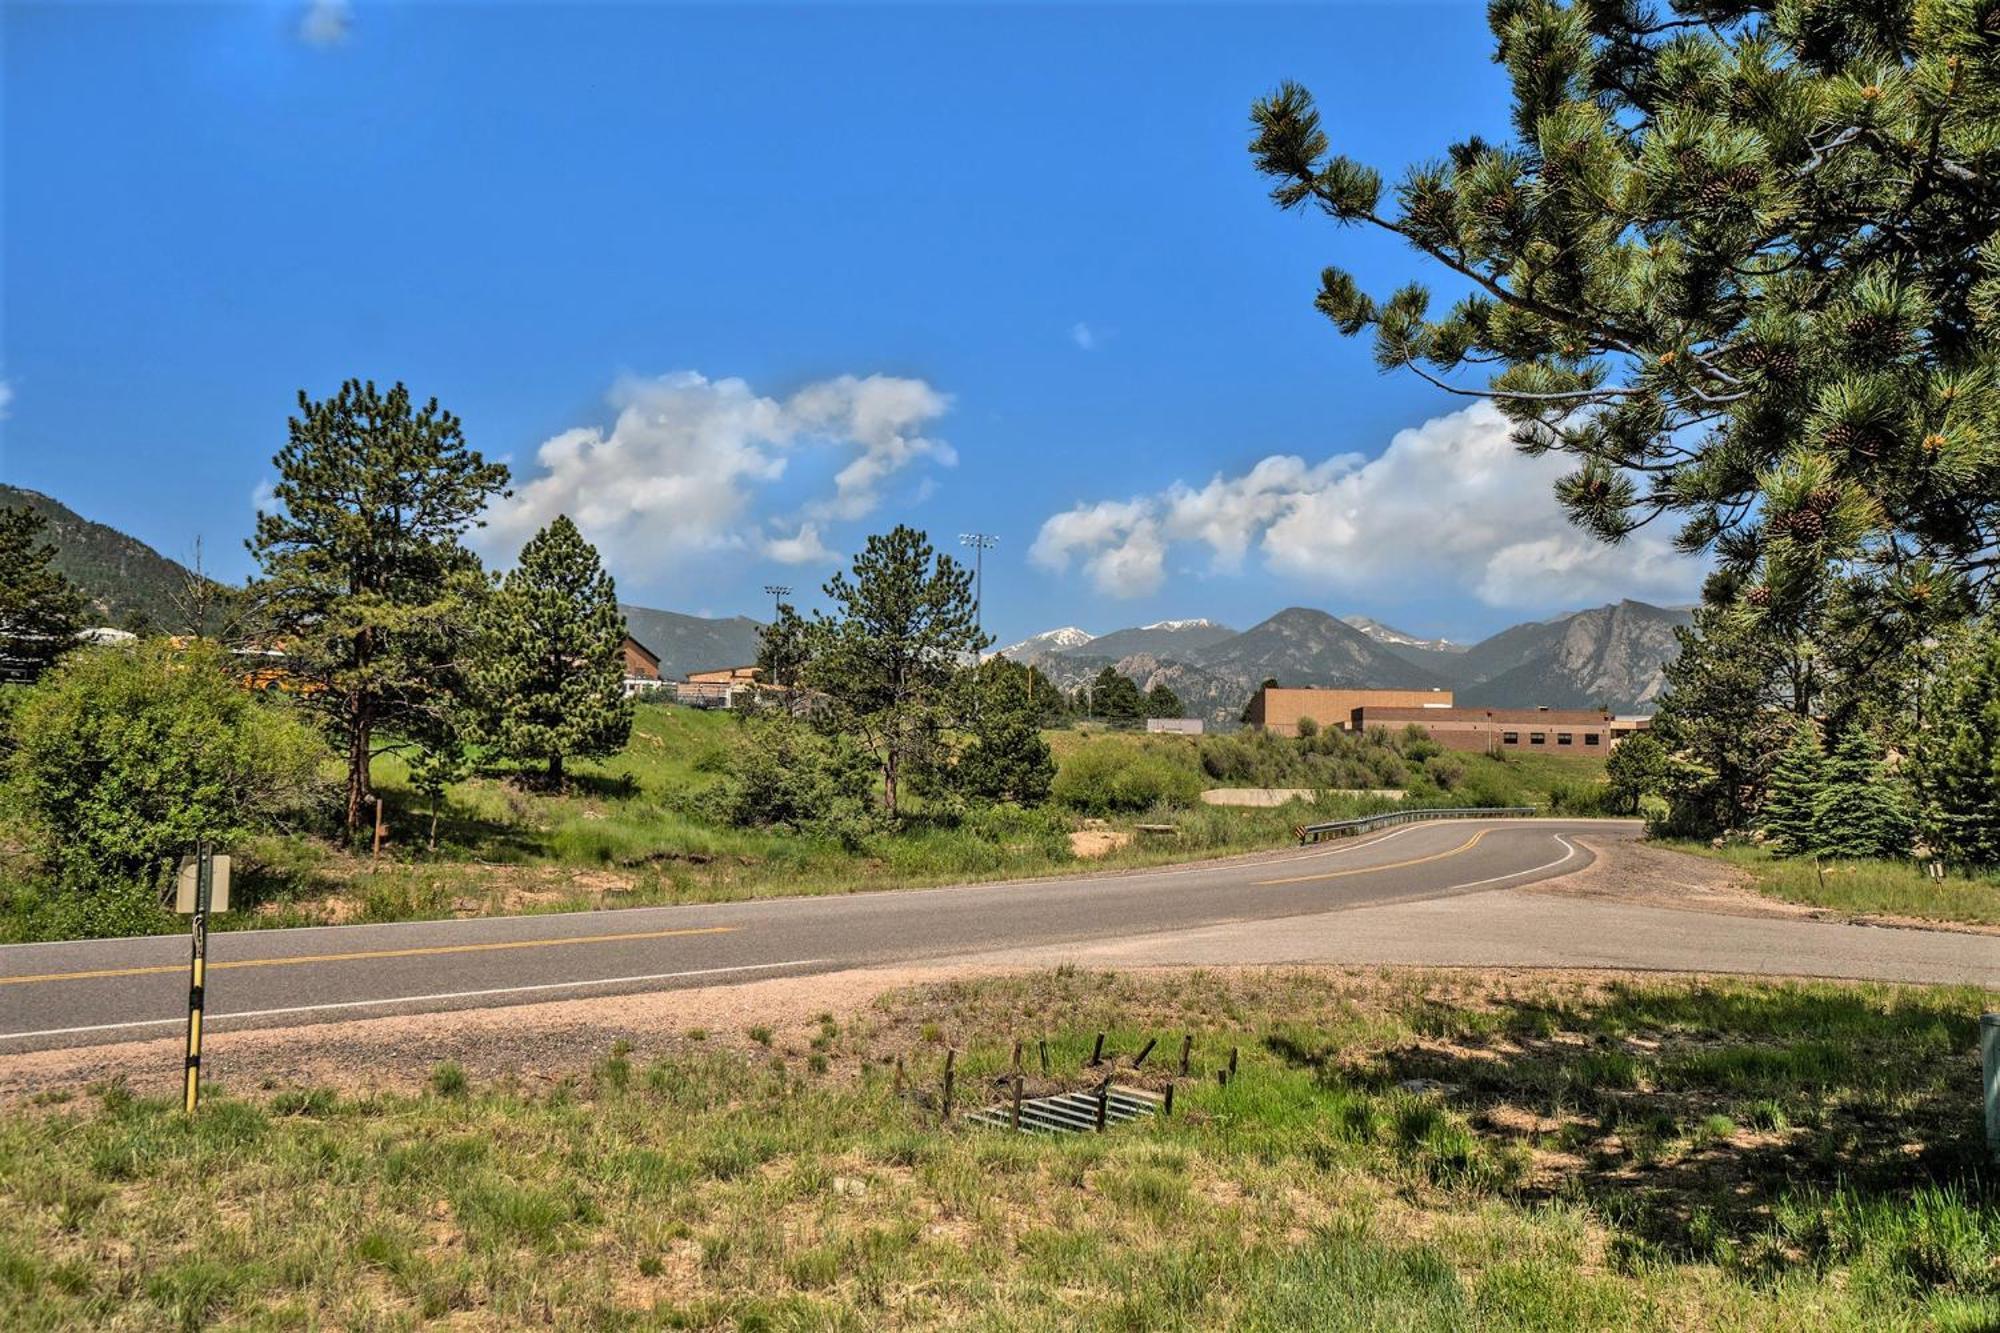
(1989, 1061)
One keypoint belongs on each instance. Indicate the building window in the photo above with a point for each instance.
(1564, 738)
(1537, 738)
(1510, 738)
(1590, 738)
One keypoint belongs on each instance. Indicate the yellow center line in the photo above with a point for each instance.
(427, 951)
(1392, 865)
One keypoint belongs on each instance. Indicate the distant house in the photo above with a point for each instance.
(1179, 726)
(718, 688)
(642, 667)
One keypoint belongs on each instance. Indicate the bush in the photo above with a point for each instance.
(123, 757)
(1583, 798)
(786, 775)
(1110, 777)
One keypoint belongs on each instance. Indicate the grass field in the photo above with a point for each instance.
(1894, 888)
(633, 831)
(1593, 1155)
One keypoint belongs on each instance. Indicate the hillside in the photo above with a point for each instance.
(129, 584)
(1181, 640)
(693, 643)
(1302, 646)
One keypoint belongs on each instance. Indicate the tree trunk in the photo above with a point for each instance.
(555, 770)
(359, 736)
(889, 785)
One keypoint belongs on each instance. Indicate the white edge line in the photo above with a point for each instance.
(211, 1019)
(1515, 874)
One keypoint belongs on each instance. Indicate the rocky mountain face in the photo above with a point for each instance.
(1611, 655)
(128, 583)
(693, 643)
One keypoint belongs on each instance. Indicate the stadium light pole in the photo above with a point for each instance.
(981, 543)
(776, 592)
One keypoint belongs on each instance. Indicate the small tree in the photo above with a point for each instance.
(1791, 803)
(1006, 759)
(1161, 701)
(125, 756)
(550, 677)
(1859, 812)
(882, 663)
(40, 611)
(1115, 697)
(1958, 760)
(1636, 769)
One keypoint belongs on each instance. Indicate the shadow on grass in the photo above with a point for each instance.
(1762, 1128)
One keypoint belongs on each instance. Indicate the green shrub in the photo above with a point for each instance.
(1110, 777)
(123, 757)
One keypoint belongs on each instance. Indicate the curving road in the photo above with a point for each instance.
(95, 991)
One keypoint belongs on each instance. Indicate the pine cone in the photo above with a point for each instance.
(1759, 596)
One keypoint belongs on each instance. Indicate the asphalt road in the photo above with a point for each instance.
(94, 991)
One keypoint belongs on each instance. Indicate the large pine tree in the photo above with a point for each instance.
(369, 590)
(551, 674)
(1958, 760)
(40, 611)
(1738, 260)
(1789, 814)
(1860, 811)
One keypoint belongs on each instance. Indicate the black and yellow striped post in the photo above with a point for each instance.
(197, 965)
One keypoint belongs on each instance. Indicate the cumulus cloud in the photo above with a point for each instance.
(326, 22)
(1448, 502)
(684, 463)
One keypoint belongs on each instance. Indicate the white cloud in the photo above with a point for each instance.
(6, 398)
(802, 548)
(682, 466)
(326, 22)
(1449, 502)
(1083, 335)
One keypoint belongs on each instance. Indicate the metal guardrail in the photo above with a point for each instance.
(1346, 828)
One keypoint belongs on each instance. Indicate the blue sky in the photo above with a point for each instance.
(737, 285)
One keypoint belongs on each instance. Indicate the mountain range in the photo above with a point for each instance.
(1611, 655)
(1606, 655)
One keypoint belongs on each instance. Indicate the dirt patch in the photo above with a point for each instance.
(1087, 844)
(1633, 872)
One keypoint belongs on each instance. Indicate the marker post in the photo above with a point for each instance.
(201, 887)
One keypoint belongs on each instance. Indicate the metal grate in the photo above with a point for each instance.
(1071, 1112)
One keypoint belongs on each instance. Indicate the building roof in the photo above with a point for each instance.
(1503, 716)
(648, 653)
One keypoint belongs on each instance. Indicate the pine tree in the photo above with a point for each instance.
(1161, 701)
(1958, 760)
(881, 664)
(40, 611)
(1636, 769)
(1859, 812)
(1798, 779)
(367, 587)
(1115, 697)
(1741, 262)
(551, 676)
(1007, 758)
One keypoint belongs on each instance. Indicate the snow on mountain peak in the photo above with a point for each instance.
(1180, 624)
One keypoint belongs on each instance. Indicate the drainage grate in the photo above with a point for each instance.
(1070, 1112)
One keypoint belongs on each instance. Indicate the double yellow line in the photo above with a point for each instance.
(1465, 846)
(427, 951)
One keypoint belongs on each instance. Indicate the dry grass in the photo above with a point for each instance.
(1610, 1154)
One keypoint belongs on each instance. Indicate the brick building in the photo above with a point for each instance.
(642, 667)
(1279, 710)
(1585, 731)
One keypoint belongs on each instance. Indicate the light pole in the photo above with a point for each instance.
(981, 543)
(776, 592)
